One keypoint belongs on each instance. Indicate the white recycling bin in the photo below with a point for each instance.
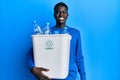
(52, 52)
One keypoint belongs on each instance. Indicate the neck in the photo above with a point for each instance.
(60, 25)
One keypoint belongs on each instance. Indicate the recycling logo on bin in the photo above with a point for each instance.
(49, 45)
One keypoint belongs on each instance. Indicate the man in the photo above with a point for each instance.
(76, 62)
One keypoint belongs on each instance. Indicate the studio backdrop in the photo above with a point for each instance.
(97, 20)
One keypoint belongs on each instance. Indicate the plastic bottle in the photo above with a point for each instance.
(37, 29)
(65, 31)
(56, 32)
(47, 30)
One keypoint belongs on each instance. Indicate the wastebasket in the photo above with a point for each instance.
(52, 52)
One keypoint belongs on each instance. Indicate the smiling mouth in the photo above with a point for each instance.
(61, 18)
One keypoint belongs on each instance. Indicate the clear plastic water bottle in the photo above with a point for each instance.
(47, 29)
(56, 32)
(37, 29)
(65, 31)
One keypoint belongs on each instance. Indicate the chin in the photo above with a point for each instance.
(61, 22)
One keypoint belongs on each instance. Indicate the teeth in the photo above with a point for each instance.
(61, 18)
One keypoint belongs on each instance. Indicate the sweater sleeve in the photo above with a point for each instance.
(29, 58)
(80, 58)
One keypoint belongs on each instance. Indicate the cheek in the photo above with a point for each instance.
(66, 15)
(55, 16)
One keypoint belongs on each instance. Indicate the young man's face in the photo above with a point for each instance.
(61, 15)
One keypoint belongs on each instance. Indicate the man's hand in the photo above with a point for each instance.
(37, 71)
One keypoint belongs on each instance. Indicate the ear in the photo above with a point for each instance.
(68, 14)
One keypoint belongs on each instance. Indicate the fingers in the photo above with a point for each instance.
(38, 72)
(44, 77)
(43, 69)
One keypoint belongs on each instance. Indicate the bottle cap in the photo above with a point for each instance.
(34, 21)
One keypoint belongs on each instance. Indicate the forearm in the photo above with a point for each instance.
(29, 59)
(81, 68)
(80, 59)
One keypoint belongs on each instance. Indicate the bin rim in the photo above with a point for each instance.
(52, 35)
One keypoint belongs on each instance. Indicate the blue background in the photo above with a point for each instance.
(98, 21)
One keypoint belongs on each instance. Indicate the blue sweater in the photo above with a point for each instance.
(76, 63)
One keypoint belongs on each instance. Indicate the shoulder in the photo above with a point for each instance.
(73, 30)
(52, 27)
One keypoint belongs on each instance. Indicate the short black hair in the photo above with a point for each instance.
(60, 4)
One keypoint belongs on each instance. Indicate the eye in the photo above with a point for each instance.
(65, 12)
(57, 12)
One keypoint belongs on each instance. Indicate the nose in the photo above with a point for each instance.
(61, 13)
